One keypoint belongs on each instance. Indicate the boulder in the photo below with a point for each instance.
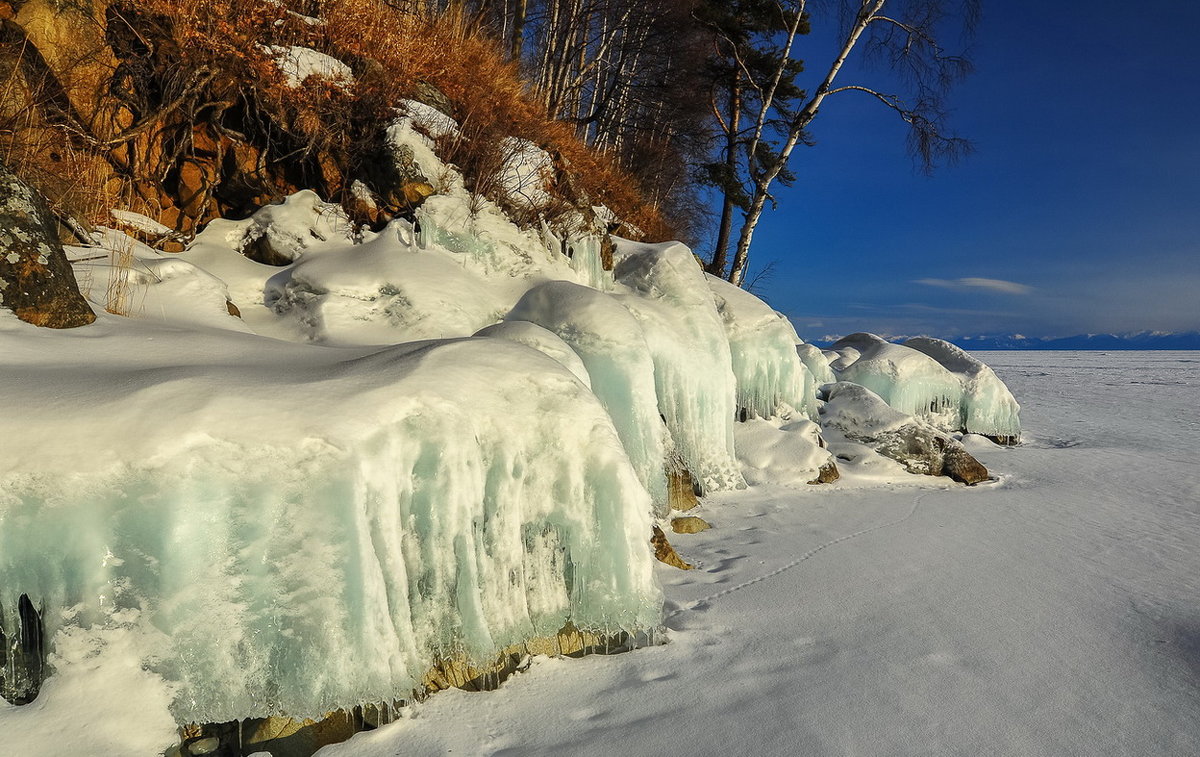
(664, 552)
(827, 474)
(689, 524)
(862, 416)
(36, 281)
(22, 653)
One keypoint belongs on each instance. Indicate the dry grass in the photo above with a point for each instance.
(394, 56)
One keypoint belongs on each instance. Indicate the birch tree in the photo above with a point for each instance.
(901, 34)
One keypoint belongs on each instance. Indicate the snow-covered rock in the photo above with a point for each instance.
(908, 380)
(789, 455)
(988, 407)
(861, 415)
(299, 63)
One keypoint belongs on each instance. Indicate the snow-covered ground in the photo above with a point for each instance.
(1055, 612)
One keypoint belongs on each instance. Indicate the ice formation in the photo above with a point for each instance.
(988, 408)
(816, 363)
(290, 529)
(908, 380)
(612, 345)
(771, 379)
(692, 374)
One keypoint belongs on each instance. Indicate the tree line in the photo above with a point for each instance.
(712, 97)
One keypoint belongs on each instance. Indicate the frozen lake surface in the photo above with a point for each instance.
(1056, 611)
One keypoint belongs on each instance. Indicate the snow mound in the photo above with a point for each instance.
(612, 344)
(692, 363)
(299, 63)
(790, 455)
(383, 291)
(771, 380)
(143, 283)
(910, 381)
(310, 528)
(988, 407)
(546, 342)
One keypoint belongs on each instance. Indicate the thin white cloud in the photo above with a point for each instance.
(974, 282)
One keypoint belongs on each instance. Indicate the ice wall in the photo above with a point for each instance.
(692, 363)
(988, 407)
(771, 379)
(612, 345)
(908, 380)
(280, 529)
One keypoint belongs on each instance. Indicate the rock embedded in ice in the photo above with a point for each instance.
(861, 415)
(689, 524)
(988, 407)
(665, 553)
(908, 380)
(771, 379)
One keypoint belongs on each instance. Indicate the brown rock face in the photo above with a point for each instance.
(681, 490)
(960, 465)
(828, 472)
(689, 524)
(664, 552)
(36, 281)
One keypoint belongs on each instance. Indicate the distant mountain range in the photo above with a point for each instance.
(1142, 340)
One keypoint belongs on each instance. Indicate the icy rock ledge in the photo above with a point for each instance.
(859, 414)
(988, 407)
(908, 380)
(258, 559)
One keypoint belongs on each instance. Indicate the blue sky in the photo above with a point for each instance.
(1078, 212)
